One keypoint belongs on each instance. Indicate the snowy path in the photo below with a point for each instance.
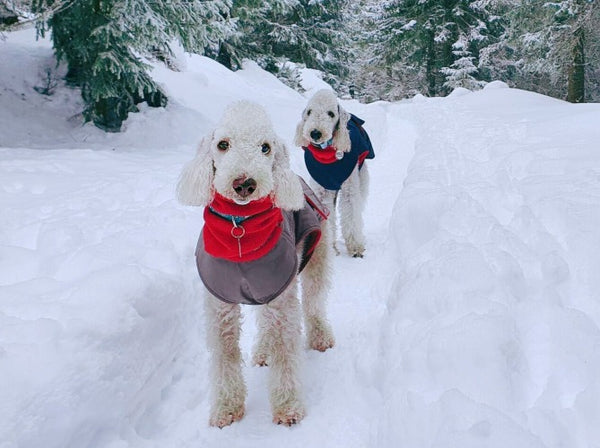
(340, 385)
(119, 332)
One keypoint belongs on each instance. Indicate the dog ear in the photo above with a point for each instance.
(341, 139)
(299, 139)
(195, 185)
(287, 191)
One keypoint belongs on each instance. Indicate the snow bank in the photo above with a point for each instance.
(492, 335)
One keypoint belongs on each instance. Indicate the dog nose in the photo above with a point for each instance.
(244, 187)
(315, 134)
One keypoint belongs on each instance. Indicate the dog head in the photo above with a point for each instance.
(243, 160)
(323, 120)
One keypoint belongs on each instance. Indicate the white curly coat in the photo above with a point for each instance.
(246, 128)
(322, 114)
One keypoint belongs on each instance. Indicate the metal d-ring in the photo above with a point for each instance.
(238, 236)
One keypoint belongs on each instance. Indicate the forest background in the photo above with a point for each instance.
(369, 50)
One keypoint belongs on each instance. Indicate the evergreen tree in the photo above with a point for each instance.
(308, 32)
(254, 21)
(8, 17)
(462, 71)
(104, 43)
(554, 39)
(436, 41)
(365, 79)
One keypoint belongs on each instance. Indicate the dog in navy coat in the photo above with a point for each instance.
(335, 148)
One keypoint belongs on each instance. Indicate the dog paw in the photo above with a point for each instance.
(322, 344)
(260, 359)
(356, 251)
(288, 415)
(336, 251)
(225, 417)
(320, 336)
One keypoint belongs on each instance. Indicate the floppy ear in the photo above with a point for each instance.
(195, 185)
(341, 139)
(299, 139)
(287, 191)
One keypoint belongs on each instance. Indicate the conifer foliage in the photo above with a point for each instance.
(308, 32)
(554, 40)
(439, 42)
(105, 42)
(367, 48)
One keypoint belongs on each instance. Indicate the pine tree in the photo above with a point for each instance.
(554, 39)
(462, 71)
(434, 40)
(8, 17)
(302, 31)
(365, 79)
(105, 42)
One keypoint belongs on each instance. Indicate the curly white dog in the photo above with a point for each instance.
(336, 146)
(258, 233)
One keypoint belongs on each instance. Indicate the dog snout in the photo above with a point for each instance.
(315, 134)
(243, 186)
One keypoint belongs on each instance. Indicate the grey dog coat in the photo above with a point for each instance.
(261, 281)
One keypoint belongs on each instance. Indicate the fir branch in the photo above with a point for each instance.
(39, 16)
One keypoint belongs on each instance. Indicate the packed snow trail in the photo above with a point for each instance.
(341, 384)
(101, 324)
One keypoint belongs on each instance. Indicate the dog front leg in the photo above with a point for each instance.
(351, 209)
(227, 382)
(329, 199)
(264, 342)
(316, 283)
(282, 315)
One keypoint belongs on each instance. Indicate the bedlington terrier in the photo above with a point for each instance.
(336, 146)
(248, 253)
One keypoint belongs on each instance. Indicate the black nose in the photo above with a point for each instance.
(244, 187)
(315, 134)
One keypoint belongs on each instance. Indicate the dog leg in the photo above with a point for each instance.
(351, 208)
(283, 318)
(264, 342)
(363, 177)
(316, 282)
(332, 220)
(329, 199)
(228, 387)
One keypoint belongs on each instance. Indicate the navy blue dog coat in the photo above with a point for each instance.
(331, 176)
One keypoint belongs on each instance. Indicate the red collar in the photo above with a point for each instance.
(241, 233)
(326, 156)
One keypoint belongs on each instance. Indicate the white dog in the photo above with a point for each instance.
(248, 252)
(335, 148)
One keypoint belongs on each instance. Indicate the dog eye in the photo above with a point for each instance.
(331, 114)
(308, 112)
(265, 148)
(223, 145)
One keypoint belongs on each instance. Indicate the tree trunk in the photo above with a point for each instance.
(576, 81)
(430, 64)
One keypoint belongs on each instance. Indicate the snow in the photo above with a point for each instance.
(473, 320)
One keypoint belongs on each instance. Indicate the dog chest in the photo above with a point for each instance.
(260, 281)
(332, 175)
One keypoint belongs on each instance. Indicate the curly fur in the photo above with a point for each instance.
(246, 127)
(322, 114)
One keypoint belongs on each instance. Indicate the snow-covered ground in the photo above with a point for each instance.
(473, 320)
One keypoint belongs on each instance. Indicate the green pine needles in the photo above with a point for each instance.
(106, 44)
